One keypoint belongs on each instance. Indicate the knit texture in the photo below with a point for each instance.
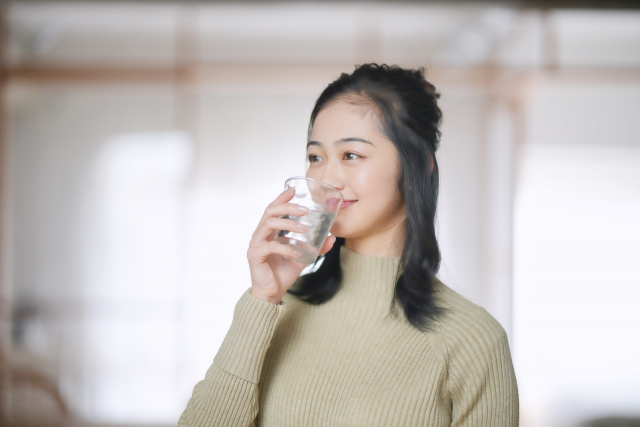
(347, 362)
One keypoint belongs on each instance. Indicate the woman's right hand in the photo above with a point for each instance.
(272, 274)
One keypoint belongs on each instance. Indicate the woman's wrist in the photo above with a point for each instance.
(272, 300)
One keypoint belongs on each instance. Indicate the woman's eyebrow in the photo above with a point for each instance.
(341, 141)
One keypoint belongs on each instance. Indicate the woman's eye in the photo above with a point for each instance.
(313, 158)
(351, 154)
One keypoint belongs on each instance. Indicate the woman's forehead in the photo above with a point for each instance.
(340, 119)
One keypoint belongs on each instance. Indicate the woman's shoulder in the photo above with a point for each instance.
(466, 327)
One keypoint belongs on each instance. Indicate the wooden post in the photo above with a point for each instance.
(5, 223)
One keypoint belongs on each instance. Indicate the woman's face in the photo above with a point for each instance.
(347, 150)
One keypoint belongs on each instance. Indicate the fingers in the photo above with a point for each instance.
(258, 254)
(278, 208)
(285, 196)
(268, 228)
(285, 209)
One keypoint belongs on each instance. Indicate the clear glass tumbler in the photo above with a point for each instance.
(324, 202)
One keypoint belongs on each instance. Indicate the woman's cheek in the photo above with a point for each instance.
(366, 180)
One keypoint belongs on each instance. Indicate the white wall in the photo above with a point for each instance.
(577, 246)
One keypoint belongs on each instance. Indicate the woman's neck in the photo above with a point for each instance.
(386, 244)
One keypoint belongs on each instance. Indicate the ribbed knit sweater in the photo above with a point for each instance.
(346, 363)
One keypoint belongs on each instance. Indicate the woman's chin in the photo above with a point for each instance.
(340, 230)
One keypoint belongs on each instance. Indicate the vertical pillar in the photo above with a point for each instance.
(497, 211)
(5, 222)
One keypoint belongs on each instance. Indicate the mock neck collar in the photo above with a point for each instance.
(375, 275)
(346, 253)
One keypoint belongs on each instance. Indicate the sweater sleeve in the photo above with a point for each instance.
(482, 383)
(228, 394)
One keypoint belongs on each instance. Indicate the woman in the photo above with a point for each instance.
(371, 338)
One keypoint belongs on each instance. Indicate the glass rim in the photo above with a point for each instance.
(316, 180)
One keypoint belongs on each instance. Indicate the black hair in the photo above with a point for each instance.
(406, 112)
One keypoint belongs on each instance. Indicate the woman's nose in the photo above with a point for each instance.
(332, 175)
(332, 181)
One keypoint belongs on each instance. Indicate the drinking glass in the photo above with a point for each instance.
(323, 202)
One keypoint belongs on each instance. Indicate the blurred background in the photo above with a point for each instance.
(141, 142)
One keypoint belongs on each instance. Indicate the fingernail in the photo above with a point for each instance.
(302, 208)
(303, 227)
(297, 254)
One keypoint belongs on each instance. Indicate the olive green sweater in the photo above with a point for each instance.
(346, 363)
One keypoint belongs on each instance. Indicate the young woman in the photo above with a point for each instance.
(371, 338)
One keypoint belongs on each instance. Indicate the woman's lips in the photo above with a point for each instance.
(347, 203)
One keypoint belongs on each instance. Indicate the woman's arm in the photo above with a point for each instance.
(482, 382)
(228, 394)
